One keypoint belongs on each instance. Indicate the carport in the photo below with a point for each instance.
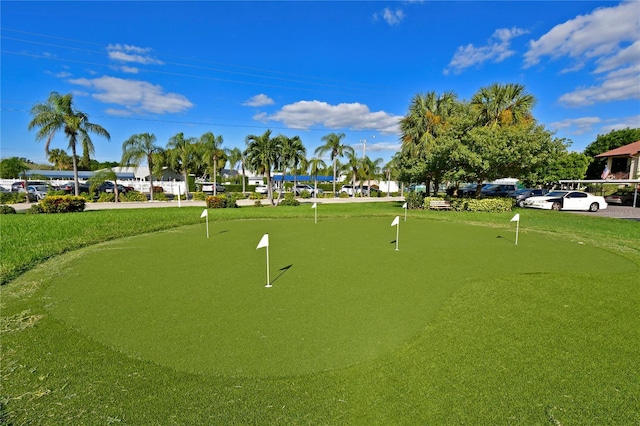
(602, 182)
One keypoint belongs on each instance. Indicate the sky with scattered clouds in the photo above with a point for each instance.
(308, 69)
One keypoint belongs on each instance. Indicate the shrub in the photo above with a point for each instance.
(63, 204)
(414, 200)
(35, 209)
(305, 194)
(4, 209)
(255, 196)
(289, 200)
(199, 196)
(132, 196)
(235, 188)
(231, 200)
(257, 203)
(344, 195)
(12, 197)
(106, 197)
(217, 202)
(159, 196)
(491, 205)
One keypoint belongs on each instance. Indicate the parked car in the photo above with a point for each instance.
(622, 198)
(208, 187)
(522, 194)
(3, 189)
(498, 190)
(300, 188)
(364, 191)
(17, 186)
(108, 186)
(263, 189)
(470, 189)
(37, 192)
(346, 189)
(567, 200)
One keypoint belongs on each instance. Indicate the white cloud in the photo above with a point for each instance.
(305, 114)
(496, 50)
(383, 146)
(391, 17)
(632, 122)
(597, 34)
(258, 100)
(128, 53)
(618, 85)
(134, 95)
(578, 126)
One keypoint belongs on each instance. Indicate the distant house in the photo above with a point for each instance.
(622, 162)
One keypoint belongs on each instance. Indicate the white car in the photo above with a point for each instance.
(567, 200)
(300, 188)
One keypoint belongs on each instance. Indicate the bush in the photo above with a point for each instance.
(231, 200)
(289, 200)
(414, 200)
(4, 209)
(132, 196)
(57, 192)
(255, 196)
(491, 205)
(199, 196)
(35, 209)
(343, 195)
(257, 203)
(236, 188)
(106, 197)
(63, 204)
(12, 197)
(217, 202)
(305, 194)
(160, 196)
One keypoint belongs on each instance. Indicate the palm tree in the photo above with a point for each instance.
(141, 146)
(105, 175)
(390, 170)
(370, 169)
(182, 155)
(211, 152)
(426, 112)
(333, 145)
(354, 165)
(503, 105)
(293, 152)
(316, 166)
(59, 113)
(60, 159)
(262, 154)
(235, 156)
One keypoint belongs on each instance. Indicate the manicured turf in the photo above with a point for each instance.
(459, 326)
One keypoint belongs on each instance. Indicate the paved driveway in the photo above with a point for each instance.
(619, 212)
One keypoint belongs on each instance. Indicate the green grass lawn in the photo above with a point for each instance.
(458, 326)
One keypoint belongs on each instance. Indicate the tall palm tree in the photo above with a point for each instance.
(293, 152)
(333, 144)
(235, 156)
(420, 124)
(390, 170)
(141, 146)
(182, 153)
(503, 105)
(59, 113)
(212, 152)
(60, 159)
(354, 164)
(262, 154)
(316, 166)
(371, 169)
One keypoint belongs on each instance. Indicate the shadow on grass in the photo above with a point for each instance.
(506, 239)
(282, 271)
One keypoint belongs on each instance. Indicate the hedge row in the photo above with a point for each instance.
(62, 204)
(491, 205)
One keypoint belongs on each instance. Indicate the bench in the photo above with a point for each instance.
(439, 205)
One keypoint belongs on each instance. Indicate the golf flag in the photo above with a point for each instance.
(205, 214)
(315, 212)
(516, 219)
(404, 206)
(313, 206)
(264, 242)
(396, 223)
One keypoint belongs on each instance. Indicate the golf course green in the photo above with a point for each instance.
(340, 292)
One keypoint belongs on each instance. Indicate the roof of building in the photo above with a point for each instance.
(631, 149)
(290, 178)
(68, 174)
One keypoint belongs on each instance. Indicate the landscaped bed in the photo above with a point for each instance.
(459, 325)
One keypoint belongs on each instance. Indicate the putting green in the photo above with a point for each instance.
(341, 294)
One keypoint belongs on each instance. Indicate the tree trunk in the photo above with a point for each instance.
(243, 179)
(215, 175)
(75, 170)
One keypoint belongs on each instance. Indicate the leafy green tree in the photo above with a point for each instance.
(182, 155)
(13, 168)
(262, 154)
(137, 148)
(60, 159)
(603, 143)
(333, 145)
(59, 113)
(212, 152)
(562, 165)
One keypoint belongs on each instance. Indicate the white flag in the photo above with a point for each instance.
(396, 221)
(264, 242)
(205, 213)
(404, 206)
(516, 218)
(313, 206)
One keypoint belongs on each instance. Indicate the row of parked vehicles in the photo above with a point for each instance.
(37, 190)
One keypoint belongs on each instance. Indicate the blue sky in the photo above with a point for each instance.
(310, 68)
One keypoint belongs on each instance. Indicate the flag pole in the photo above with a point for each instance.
(179, 196)
(397, 235)
(268, 279)
(517, 229)
(207, 226)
